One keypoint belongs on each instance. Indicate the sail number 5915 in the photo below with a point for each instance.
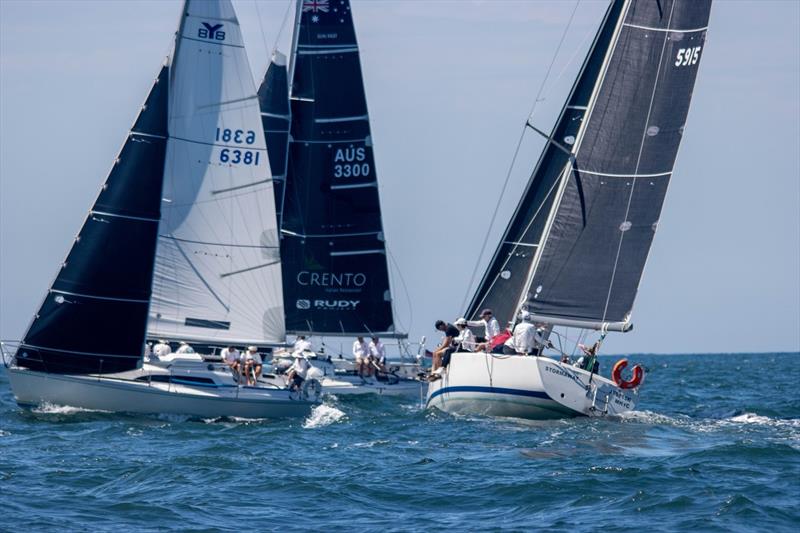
(687, 56)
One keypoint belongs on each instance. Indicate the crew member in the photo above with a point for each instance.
(230, 356)
(466, 339)
(361, 356)
(490, 325)
(301, 345)
(253, 364)
(297, 372)
(184, 348)
(377, 353)
(441, 356)
(523, 338)
(162, 348)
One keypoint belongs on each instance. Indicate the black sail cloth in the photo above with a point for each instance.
(93, 319)
(506, 277)
(333, 253)
(593, 257)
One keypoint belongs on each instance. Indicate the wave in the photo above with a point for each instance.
(47, 408)
(323, 415)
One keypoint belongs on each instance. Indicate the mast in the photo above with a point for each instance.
(591, 257)
(336, 279)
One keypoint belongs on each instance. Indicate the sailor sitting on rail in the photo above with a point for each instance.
(230, 356)
(162, 349)
(361, 356)
(184, 348)
(441, 356)
(297, 372)
(465, 341)
(253, 365)
(377, 351)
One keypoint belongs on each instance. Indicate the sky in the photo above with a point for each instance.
(449, 87)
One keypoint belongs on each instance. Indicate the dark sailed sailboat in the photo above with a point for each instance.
(180, 244)
(574, 251)
(333, 250)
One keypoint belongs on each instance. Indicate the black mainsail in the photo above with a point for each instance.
(631, 101)
(273, 99)
(94, 316)
(335, 272)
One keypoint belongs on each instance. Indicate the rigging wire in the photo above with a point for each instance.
(516, 153)
(405, 291)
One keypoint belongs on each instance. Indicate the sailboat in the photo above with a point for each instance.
(181, 244)
(332, 245)
(573, 253)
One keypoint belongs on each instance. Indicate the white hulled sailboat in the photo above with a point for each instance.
(574, 251)
(180, 244)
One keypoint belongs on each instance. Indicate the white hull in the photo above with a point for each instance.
(524, 387)
(120, 393)
(338, 377)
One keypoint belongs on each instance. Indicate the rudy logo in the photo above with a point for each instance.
(213, 33)
(303, 304)
(328, 304)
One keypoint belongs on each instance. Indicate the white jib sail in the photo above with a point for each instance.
(217, 271)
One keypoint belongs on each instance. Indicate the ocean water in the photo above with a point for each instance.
(715, 447)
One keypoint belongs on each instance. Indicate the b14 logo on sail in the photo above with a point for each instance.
(213, 33)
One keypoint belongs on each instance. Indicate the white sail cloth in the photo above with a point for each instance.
(217, 269)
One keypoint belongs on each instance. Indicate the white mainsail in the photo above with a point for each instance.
(217, 269)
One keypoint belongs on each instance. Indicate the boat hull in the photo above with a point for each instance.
(125, 395)
(536, 388)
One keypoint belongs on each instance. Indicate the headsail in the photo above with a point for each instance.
(597, 241)
(93, 318)
(507, 275)
(217, 271)
(336, 277)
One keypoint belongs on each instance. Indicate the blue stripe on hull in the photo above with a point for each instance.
(490, 390)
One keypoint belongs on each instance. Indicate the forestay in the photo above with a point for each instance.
(332, 246)
(598, 238)
(217, 270)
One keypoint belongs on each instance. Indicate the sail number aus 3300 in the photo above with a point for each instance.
(350, 162)
(687, 56)
(235, 156)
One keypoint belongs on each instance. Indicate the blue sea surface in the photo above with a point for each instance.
(714, 447)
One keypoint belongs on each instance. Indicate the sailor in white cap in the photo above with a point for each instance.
(466, 339)
(184, 348)
(297, 372)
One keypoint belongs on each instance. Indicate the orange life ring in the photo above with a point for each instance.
(616, 375)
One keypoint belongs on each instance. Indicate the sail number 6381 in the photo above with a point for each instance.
(687, 56)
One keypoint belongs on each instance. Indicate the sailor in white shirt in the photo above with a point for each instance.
(184, 348)
(523, 339)
(230, 356)
(301, 345)
(361, 355)
(466, 339)
(297, 372)
(252, 365)
(489, 323)
(378, 353)
(162, 348)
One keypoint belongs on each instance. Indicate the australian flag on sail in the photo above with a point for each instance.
(326, 22)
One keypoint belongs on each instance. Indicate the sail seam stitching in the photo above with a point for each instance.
(81, 295)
